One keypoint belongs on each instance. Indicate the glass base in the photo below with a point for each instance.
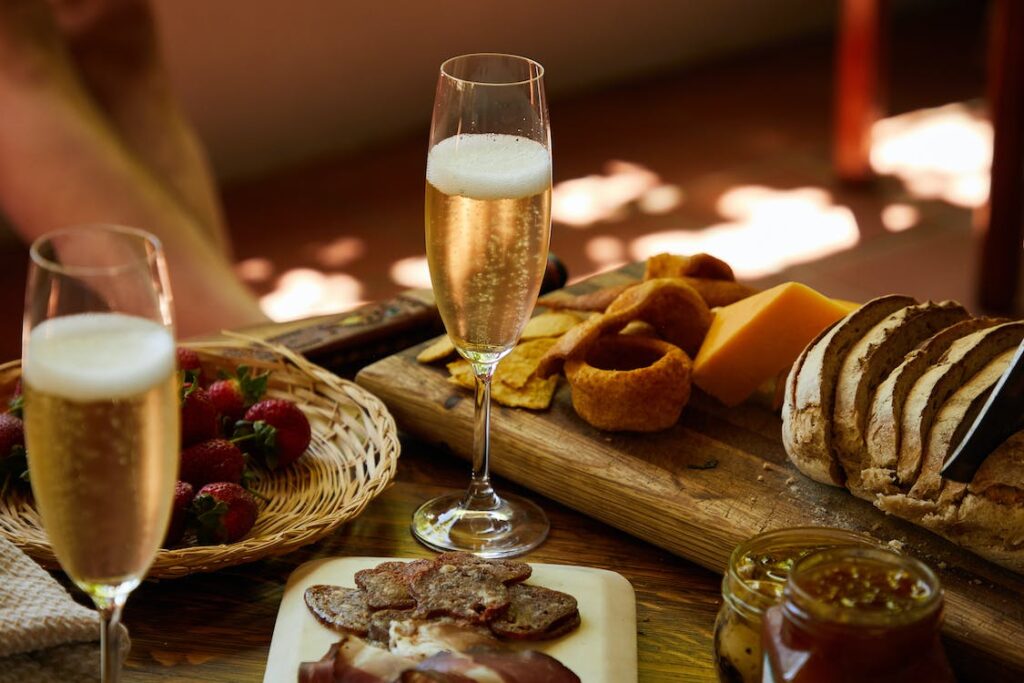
(515, 526)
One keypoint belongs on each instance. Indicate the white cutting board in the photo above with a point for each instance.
(601, 650)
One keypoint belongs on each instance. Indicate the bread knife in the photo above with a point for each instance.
(999, 418)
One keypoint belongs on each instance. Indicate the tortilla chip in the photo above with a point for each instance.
(549, 325)
(439, 350)
(515, 369)
(514, 384)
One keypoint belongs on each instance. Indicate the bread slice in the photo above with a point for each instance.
(952, 422)
(965, 357)
(991, 516)
(989, 520)
(882, 435)
(807, 412)
(869, 361)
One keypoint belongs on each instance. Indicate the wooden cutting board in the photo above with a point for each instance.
(601, 650)
(718, 477)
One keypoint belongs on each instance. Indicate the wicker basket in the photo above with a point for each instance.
(351, 459)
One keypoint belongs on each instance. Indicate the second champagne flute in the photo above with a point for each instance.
(101, 409)
(488, 224)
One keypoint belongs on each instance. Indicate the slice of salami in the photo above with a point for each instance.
(507, 571)
(469, 590)
(537, 613)
(342, 609)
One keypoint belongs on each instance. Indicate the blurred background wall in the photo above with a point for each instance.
(271, 83)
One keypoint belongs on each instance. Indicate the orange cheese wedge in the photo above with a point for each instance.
(756, 338)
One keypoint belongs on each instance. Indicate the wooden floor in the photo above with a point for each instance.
(708, 135)
(705, 137)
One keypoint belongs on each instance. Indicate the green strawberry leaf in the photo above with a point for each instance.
(16, 406)
(208, 514)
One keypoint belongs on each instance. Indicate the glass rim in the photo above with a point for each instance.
(747, 592)
(83, 270)
(532, 62)
(810, 606)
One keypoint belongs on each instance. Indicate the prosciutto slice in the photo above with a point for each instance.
(353, 661)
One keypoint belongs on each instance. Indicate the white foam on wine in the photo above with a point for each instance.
(489, 166)
(95, 356)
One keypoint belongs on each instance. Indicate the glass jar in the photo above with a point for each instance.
(857, 614)
(753, 582)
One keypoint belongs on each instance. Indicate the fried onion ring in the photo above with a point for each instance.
(630, 383)
(675, 310)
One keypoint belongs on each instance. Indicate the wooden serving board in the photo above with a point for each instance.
(716, 478)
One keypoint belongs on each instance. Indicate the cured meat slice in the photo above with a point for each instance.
(507, 571)
(387, 585)
(537, 613)
(350, 660)
(341, 609)
(509, 667)
(469, 591)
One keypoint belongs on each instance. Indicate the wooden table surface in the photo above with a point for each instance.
(218, 627)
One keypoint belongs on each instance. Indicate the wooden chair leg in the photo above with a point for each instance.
(858, 102)
(1001, 222)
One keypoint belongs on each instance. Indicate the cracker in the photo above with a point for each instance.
(341, 609)
(441, 348)
(553, 324)
(469, 591)
(518, 366)
(535, 394)
(379, 627)
(537, 613)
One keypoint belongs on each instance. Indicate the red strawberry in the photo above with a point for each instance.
(232, 395)
(12, 447)
(188, 365)
(210, 461)
(224, 513)
(183, 495)
(198, 415)
(16, 404)
(278, 429)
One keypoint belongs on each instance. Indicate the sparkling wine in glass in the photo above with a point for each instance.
(101, 409)
(488, 225)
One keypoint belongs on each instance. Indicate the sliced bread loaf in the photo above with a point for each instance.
(965, 357)
(807, 411)
(882, 434)
(869, 361)
(952, 422)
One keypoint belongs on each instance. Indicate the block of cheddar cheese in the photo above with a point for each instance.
(756, 338)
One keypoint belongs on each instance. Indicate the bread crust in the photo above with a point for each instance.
(882, 434)
(807, 413)
(952, 422)
(868, 362)
(965, 358)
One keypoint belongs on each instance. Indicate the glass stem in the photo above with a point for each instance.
(110, 637)
(480, 495)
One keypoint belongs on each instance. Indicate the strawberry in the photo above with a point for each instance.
(180, 509)
(12, 447)
(224, 512)
(210, 461)
(198, 415)
(278, 431)
(16, 404)
(234, 394)
(188, 365)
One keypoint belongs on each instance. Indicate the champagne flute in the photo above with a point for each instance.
(488, 225)
(101, 409)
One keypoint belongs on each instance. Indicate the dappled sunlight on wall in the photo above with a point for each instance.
(412, 272)
(769, 230)
(304, 292)
(941, 153)
(582, 202)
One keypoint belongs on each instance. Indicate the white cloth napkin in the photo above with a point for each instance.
(44, 634)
